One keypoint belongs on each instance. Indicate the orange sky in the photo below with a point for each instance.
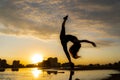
(29, 27)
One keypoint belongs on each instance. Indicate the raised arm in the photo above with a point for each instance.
(87, 41)
(63, 26)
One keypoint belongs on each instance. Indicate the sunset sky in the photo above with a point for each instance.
(29, 27)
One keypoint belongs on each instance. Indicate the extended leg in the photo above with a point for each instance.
(62, 34)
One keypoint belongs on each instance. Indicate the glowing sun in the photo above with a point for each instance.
(37, 58)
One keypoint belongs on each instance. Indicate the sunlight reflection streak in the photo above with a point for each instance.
(36, 73)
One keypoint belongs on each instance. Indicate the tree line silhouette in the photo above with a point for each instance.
(15, 64)
(53, 63)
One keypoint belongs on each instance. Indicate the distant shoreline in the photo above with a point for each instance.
(66, 68)
(113, 77)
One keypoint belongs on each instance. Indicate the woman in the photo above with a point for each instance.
(76, 43)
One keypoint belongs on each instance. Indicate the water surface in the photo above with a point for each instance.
(52, 74)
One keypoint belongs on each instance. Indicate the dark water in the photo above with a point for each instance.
(51, 74)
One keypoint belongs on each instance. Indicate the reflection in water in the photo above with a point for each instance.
(15, 69)
(50, 72)
(2, 69)
(54, 72)
(36, 72)
(71, 74)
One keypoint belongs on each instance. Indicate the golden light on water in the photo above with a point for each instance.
(36, 72)
(37, 58)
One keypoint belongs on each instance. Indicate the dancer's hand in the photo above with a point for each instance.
(94, 44)
(65, 18)
(76, 57)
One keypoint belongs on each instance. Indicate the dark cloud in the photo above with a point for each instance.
(24, 18)
(104, 12)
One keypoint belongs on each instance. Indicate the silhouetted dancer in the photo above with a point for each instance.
(76, 43)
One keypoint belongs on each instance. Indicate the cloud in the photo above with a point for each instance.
(97, 19)
(23, 18)
(42, 18)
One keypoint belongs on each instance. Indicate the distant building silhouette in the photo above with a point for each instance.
(16, 64)
(50, 62)
(31, 65)
(3, 63)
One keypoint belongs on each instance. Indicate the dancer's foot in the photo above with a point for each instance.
(72, 65)
(77, 56)
(66, 17)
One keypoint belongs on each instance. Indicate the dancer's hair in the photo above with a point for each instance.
(74, 50)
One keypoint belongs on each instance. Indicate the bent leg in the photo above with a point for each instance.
(66, 52)
(68, 56)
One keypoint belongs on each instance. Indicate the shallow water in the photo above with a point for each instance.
(52, 74)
